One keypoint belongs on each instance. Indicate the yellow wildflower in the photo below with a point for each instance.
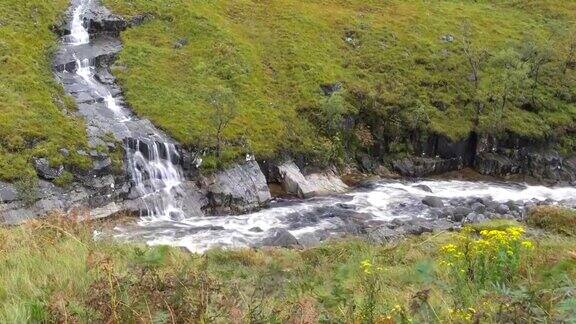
(528, 245)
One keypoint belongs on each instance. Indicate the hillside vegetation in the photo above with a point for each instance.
(328, 77)
(486, 274)
(33, 122)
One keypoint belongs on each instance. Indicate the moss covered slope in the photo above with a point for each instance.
(32, 118)
(404, 66)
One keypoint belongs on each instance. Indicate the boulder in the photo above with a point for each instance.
(295, 183)
(503, 209)
(460, 212)
(280, 237)
(478, 207)
(433, 201)
(309, 240)
(101, 20)
(423, 166)
(239, 188)
(423, 188)
(474, 218)
(102, 166)
(181, 43)
(8, 193)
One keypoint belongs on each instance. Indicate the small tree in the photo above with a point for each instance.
(224, 110)
(333, 110)
(537, 55)
(475, 58)
(505, 77)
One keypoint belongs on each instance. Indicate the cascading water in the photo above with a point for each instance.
(153, 167)
(152, 161)
(78, 33)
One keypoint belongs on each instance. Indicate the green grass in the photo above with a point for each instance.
(32, 118)
(555, 219)
(62, 274)
(399, 77)
(398, 74)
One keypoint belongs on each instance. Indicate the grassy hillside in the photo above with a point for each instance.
(62, 275)
(404, 67)
(32, 119)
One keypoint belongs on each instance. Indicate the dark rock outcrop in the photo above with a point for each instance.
(517, 156)
(101, 20)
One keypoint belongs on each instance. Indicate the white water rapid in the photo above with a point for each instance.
(325, 216)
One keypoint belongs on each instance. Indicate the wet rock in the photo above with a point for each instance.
(460, 212)
(45, 171)
(105, 77)
(423, 188)
(421, 166)
(140, 19)
(503, 209)
(474, 218)
(433, 201)
(294, 182)
(241, 187)
(101, 20)
(256, 229)
(437, 213)
(346, 206)
(281, 238)
(478, 207)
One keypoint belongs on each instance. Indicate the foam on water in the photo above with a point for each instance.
(379, 202)
(78, 32)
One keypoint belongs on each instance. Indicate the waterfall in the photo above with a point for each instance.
(78, 32)
(153, 162)
(155, 171)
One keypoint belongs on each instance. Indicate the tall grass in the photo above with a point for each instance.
(54, 271)
(32, 106)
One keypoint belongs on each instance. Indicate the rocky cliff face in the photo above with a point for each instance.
(489, 156)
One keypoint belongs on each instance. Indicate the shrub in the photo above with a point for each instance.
(557, 219)
(487, 257)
